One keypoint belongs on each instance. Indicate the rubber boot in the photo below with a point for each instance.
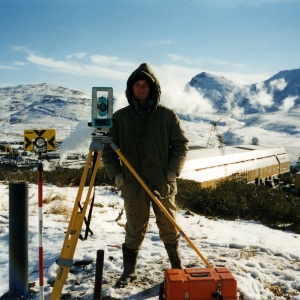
(174, 255)
(129, 264)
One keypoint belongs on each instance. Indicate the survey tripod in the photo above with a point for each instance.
(65, 261)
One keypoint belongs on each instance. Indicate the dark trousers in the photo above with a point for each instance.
(138, 213)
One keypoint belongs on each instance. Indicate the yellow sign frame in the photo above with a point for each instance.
(30, 135)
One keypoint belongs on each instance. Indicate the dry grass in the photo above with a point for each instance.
(278, 291)
(58, 205)
(60, 209)
(248, 253)
(51, 196)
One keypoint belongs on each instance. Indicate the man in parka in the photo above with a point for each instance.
(149, 135)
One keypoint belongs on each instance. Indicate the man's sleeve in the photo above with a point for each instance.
(178, 146)
(110, 158)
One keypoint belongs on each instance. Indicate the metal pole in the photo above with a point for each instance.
(99, 275)
(40, 212)
(18, 239)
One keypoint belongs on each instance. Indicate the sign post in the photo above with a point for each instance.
(40, 141)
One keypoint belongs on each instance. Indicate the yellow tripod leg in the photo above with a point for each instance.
(65, 261)
(154, 198)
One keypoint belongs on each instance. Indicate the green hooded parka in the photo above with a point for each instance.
(151, 140)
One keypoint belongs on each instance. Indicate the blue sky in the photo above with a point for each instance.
(84, 43)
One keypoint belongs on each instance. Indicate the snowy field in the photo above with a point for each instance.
(265, 262)
(262, 260)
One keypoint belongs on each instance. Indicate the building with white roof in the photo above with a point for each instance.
(251, 163)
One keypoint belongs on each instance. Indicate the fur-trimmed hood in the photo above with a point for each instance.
(144, 72)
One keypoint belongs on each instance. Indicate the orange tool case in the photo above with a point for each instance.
(199, 284)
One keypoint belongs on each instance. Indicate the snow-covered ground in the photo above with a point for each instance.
(262, 260)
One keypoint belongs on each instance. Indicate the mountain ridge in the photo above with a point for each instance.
(272, 107)
(41, 105)
(281, 91)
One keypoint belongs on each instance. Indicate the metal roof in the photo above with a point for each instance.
(208, 164)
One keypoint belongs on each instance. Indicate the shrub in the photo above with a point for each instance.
(237, 199)
(229, 200)
(59, 177)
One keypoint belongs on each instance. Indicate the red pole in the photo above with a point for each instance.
(40, 211)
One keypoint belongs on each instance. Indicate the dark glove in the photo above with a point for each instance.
(119, 180)
(171, 176)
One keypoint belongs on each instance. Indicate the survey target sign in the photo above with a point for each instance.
(42, 140)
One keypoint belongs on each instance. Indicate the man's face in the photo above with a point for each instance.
(141, 90)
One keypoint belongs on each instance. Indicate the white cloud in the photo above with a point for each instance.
(115, 71)
(111, 61)
(74, 68)
(121, 100)
(4, 67)
(182, 74)
(265, 97)
(173, 80)
(278, 84)
(174, 74)
(288, 103)
(100, 66)
(20, 48)
(244, 78)
(237, 112)
(261, 96)
(19, 63)
(179, 58)
(192, 61)
(240, 78)
(188, 102)
(81, 133)
(77, 55)
(225, 63)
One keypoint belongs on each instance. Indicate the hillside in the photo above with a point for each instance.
(279, 93)
(41, 106)
(264, 261)
(268, 110)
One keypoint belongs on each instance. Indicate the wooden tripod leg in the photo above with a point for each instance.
(65, 261)
(156, 200)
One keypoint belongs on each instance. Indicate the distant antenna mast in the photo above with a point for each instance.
(220, 138)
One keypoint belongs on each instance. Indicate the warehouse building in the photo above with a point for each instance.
(254, 164)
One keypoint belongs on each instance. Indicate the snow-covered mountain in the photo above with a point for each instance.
(41, 106)
(280, 92)
(215, 88)
(268, 110)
